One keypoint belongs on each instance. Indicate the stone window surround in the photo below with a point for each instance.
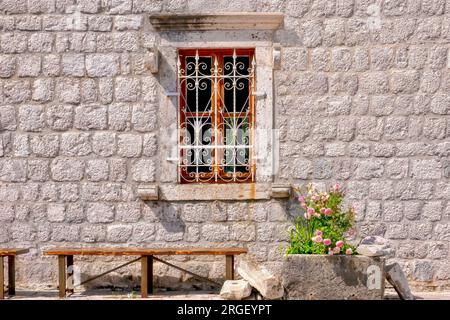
(223, 30)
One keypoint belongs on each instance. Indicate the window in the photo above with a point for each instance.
(216, 118)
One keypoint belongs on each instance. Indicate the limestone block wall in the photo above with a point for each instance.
(362, 97)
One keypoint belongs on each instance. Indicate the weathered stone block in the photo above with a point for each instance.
(127, 89)
(66, 233)
(59, 117)
(67, 169)
(235, 290)
(69, 192)
(100, 23)
(93, 233)
(215, 232)
(46, 145)
(426, 169)
(7, 65)
(126, 41)
(374, 82)
(13, 170)
(338, 277)
(97, 170)
(68, 90)
(75, 144)
(102, 65)
(38, 169)
(144, 233)
(13, 42)
(73, 64)
(31, 117)
(43, 90)
(119, 233)
(129, 145)
(56, 212)
(118, 169)
(98, 212)
(143, 170)
(90, 117)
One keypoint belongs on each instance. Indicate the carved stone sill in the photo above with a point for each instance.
(205, 192)
(218, 21)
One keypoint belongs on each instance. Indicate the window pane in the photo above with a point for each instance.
(198, 84)
(236, 84)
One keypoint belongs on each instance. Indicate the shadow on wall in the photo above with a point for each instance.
(168, 216)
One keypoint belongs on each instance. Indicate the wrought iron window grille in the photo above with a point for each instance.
(216, 120)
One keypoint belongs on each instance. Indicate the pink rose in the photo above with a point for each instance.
(339, 244)
(301, 199)
(307, 216)
(322, 210)
(328, 211)
(349, 251)
(310, 211)
(336, 249)
(327, 242)
(319, 239)
(318, 233)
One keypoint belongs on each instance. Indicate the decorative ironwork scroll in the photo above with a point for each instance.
(216, 115)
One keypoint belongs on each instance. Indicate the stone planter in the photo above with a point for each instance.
(319, 277)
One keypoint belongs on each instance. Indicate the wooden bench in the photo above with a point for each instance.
(11, 254)
(147, 257)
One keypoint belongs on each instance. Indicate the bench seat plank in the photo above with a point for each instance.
(144, 251)
(12, 252)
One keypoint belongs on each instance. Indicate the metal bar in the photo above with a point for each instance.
(106, 272)
(11, 275)
(69, 273)
(229, 267)
(62, 275)
(188, 272)
(2, 278)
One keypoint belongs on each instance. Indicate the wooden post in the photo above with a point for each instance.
(146, 276)
(2, 279)
(11, 275)
(229, 267)
(62, 275)
(70, 273)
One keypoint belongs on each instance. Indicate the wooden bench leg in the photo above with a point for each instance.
(229, 267)
(69, 260)
(11, 275)
(2, 279)
(62, 276)
(146, 276)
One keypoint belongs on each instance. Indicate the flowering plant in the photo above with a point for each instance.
(323, 225)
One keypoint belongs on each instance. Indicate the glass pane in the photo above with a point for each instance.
(198, 85)
(236, 84)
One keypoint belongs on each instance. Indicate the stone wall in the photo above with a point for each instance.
(362, 97)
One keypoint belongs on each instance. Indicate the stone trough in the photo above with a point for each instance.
(336, 277)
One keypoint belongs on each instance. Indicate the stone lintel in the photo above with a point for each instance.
(217, 21)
